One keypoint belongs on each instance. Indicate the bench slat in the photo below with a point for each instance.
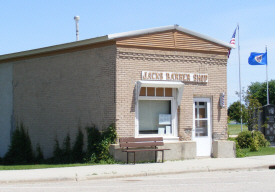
(141, 144)
(133, 150)
(133, 139)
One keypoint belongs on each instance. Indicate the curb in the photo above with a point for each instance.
(84, 178)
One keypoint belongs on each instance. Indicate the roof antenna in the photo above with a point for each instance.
(77, 18)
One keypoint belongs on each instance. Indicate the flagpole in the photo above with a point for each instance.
(267, 94)
(240, 93)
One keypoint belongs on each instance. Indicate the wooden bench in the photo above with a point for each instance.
(133, 145)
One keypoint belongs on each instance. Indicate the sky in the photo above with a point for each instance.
(32, 24)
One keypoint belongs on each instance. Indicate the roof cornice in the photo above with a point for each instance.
(167, 28)
(112, 37)
(55, 48)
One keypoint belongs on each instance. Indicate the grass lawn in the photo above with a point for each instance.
(235, 129)
(262, 151)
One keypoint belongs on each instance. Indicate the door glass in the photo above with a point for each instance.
(202, 113)
(201, 128)
(201, 120)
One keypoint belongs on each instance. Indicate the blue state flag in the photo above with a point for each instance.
(257, 58)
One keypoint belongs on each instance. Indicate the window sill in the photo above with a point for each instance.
(166, 138)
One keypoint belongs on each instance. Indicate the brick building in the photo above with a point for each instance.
(164, 81)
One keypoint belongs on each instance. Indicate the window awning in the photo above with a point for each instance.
(166, 84)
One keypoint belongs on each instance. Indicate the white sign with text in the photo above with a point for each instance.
(174, 76)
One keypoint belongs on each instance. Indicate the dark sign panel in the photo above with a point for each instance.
(268, 118)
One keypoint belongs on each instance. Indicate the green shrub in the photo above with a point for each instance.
(57, 153)
(252, 140)
(77, 151)
(93, 138)
(62, 155)
(244, 139)
(99, 143)
(110, 134)
(103, 149)
(66, 155)
(239, 152)
(254, 146)
(259, 136)
(108, 137)
(39, 158)
(20, 151)
(66, 150)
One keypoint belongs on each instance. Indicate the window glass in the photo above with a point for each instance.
(160, 92)
(142, 91)
(149, 111)
(150, 91)
(202, 113)
(168, 92)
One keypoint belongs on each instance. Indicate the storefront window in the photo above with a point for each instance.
(156, 104)
(151, 113)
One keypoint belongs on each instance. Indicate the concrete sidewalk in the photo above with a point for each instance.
(124, 170)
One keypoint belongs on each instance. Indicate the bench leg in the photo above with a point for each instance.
(155, 156)
(134, 157)
(162, 156)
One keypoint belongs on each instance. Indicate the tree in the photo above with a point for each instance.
(234, 112)
(258, 91)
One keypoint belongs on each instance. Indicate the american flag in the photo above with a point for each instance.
(232, 41)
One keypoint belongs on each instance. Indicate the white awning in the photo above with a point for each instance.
(166, 84)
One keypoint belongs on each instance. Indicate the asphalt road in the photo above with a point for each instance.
(262, 180)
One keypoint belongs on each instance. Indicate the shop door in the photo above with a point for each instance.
(201, 132)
